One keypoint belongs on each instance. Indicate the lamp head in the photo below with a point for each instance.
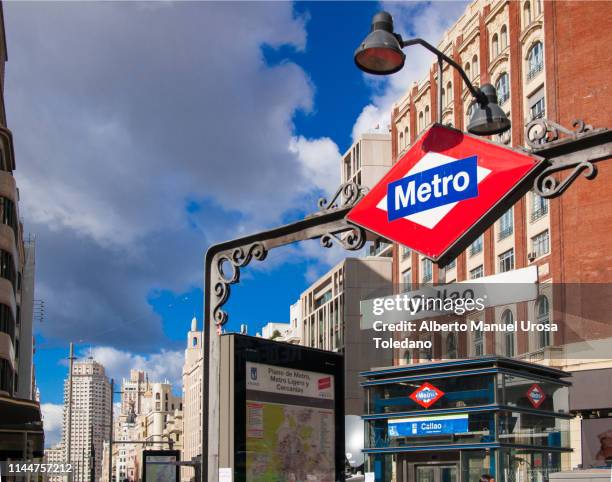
(380, 53)
(488, 118)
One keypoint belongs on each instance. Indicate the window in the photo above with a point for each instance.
(543, 317)
(502, 86)
(494, 46)
(401, 142)
(7, 268)
(405, 252)
(526, 14)
(538, 7)
(478, 343)
(540, 244)
(421, 123)
(323, 299)
(539, 206)
(535, 60)
(449, 92)
(451, 345)
(452, 264)
(406, 138)
(477, 272)
(427, 270)
(504, 38)
(407, 280)
(426, 354)
(475, 68)
(506, 261)
(476, 246)
(506, 225)
(537, 109)
(468, 71)
(508, 320)
(427, 116)
(443, 94)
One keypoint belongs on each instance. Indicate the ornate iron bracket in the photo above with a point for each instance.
(227, 263)
(222, 269)
(577, 151)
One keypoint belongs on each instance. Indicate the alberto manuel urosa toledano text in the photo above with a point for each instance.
(442, 306)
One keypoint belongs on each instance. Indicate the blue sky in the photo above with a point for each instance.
(145, 132)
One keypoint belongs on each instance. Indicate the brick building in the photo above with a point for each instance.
(547, 60)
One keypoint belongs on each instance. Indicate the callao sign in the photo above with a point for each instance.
(446, 190)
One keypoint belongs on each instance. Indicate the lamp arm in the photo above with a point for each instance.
(476, 92)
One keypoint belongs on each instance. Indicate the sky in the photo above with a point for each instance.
(146, 131)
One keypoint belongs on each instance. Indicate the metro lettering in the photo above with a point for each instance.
(431, 188)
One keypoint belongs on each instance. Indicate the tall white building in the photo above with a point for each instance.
(192, 399)
(133, 391)
(91, 411)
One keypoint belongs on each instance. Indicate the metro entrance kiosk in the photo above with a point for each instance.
(454, 421)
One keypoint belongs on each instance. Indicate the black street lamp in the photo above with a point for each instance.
(381, 54)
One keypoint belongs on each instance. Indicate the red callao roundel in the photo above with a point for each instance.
(426, 395)
(536, 395)
(324, 383)
(445, 191)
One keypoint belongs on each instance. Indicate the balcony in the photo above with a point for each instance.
(504, 233)
(539, 213)
(535, 70)
(552, 356)
(475, 248)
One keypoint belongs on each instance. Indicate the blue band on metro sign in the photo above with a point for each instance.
(435, 425)
(434, 187)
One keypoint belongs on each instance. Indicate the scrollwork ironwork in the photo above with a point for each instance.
(234, 260)
(347, 195)
(352, 240)
(548, 186)
(540, 132)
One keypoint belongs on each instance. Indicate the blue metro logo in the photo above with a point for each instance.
(445, 184)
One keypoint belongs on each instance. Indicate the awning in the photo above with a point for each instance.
(591, 389)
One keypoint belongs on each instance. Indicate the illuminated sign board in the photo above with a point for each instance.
(430, 425)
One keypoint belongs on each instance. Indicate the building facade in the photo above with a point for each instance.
(536, 54)
(90, 414)
(331, 319)
(19, 408)
(133, 392)
(192, 399)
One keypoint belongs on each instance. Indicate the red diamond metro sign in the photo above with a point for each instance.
(444, 192)
(426, 395)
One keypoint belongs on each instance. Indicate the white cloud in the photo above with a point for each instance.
(122, 116)
(411, 19)
(320, 162)
(161, 366)
(52, 422)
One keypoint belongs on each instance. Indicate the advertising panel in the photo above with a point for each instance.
(289, 425)
(596, 442)
(158, 466)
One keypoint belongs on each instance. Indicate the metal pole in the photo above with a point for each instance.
(440, 87)
(69, 434)
(110, 439)
(475, 91)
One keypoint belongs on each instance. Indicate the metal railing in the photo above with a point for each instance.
(504, 233)
(535, 70)
(539, 213)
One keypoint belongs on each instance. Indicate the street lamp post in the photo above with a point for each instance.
(381, 53)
